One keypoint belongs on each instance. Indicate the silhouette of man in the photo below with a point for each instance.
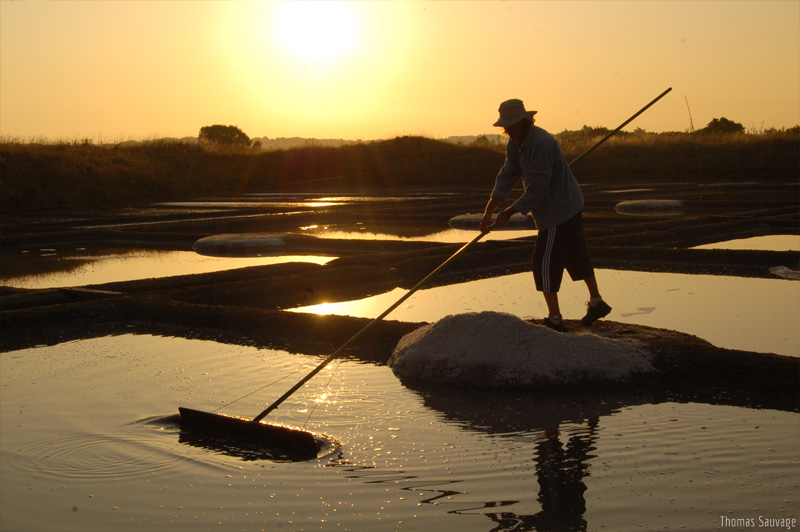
(553, 196)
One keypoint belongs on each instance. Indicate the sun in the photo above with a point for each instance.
(316, 31)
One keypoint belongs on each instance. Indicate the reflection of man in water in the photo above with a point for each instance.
(560, 470)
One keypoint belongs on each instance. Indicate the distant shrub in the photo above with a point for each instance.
(722, 126)
(224, 135)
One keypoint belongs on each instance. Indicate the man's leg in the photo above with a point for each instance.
(596, 308)
(551, 298)
(579, 267)
(548, 268)
(553, 319)
(591, 284)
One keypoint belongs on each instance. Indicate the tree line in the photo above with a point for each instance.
(233, 136)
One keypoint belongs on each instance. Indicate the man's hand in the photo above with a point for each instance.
(503, 217)
(486, 221)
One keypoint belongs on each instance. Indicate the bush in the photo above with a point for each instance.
(722, 126)
(224, 135)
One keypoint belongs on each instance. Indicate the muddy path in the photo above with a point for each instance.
(248, 305)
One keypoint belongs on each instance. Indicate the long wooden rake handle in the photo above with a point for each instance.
(625, 123)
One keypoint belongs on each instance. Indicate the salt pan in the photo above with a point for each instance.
(493, 349)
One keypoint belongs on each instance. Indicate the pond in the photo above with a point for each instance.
(768, 242)
(64, 266)
(88, 442)
(731, 312)
(61, 267)
(409, 234)
(282, 200)
(88, 439)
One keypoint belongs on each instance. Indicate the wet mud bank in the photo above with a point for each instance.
(248, 305)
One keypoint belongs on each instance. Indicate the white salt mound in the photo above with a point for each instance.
(653, 207)
(492, 349)
(785, 273)
(239, 244)
(473, 222)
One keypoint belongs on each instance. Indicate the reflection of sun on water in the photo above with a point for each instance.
(319, 204)
(323, 309)
(370, 307)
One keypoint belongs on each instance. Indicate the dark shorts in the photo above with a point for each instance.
(558, 248)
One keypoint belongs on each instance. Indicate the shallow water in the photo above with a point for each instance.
(306, 199)
(78, 266)
(53, 268)
(412, 234)
(765, 243)
(732, 312)
(87, 444)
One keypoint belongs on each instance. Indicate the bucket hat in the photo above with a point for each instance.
(511, 112)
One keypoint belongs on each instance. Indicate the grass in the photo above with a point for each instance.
(42, 175)
(39, 175)
(769, 156)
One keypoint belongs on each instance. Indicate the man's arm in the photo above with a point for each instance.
(504, 182)
(502, 218)
(539, 173)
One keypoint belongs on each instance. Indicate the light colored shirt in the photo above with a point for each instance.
(551, 192)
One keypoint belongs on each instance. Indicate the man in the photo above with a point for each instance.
(554, 197)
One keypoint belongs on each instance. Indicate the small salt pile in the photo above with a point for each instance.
(473, 222)
(785, 273)
(493, 349)
(246, 244)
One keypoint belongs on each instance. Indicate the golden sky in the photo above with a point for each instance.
(119, 70)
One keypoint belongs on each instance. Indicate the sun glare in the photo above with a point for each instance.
(316, 32)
